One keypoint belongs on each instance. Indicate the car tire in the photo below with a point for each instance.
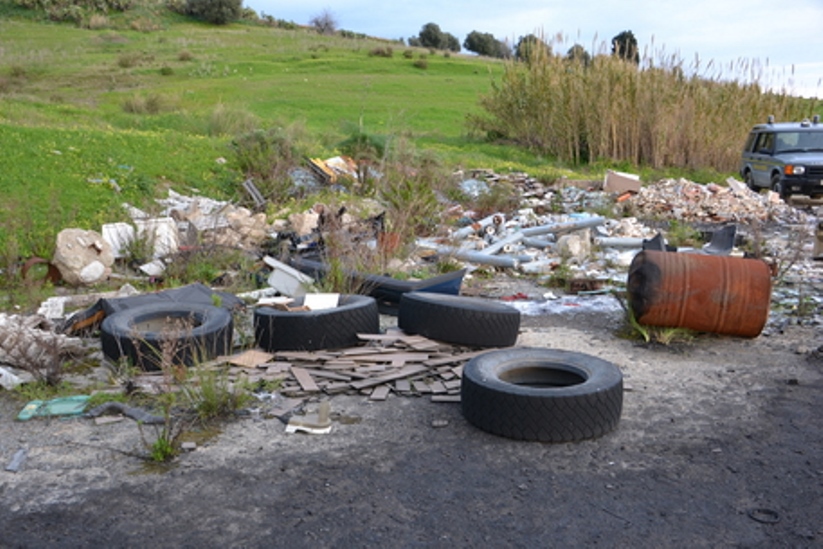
(276, 330)
(779, 187)
(545, 395)
(153, 335)
(750, 181)
(458, 319)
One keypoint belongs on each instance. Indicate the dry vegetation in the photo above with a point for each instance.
(656, 113)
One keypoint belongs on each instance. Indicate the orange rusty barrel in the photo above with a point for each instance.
(707, 293)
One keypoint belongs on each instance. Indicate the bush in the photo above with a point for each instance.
(421, 63)
(216, 12)
(381, 52)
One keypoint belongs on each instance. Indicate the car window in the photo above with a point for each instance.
(810, 140)
(749, 146)
(765, 142)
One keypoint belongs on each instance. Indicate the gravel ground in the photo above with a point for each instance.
(720, 444)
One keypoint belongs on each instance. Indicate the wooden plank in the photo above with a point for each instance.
(421, 387)
(445, 398)
(406, 371)
(454, 358)
(381, 392)
(452, 384)
(338, 387)
(402, 386)
(328, 375)
(304, 379)
(437, 387)
(250, 359)
(393, 357)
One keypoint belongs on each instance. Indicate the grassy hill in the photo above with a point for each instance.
(148, 99)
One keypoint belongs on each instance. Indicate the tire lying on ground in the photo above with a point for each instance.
(276, 330)
(174, 333)
(458, 319)
(543, 395)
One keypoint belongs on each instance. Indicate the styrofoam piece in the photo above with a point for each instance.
(161, 234)
(119, 236)
(286, 279)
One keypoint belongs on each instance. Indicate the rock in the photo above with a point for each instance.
(82, 257)
(304, 223)
(575, 248)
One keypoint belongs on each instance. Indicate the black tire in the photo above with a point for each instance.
(545, 395)
(458, 319)
(750, 181)
(779, 187)
(179, 333)
(276, 330)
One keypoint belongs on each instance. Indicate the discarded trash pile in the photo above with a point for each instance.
(687, 201)
(391, 362)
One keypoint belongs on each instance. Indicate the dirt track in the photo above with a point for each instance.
(720, 444)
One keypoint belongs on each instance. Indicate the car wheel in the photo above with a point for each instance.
(779, 187)
(153, 335)
(750, 181)
(546, 395)
(458, 319)
(276, 330)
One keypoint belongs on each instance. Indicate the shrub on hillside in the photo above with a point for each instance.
(216, 12)
(381, 52)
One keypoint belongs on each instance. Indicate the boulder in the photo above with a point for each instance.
(82, 257)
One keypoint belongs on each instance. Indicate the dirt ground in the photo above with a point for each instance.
(720, 444)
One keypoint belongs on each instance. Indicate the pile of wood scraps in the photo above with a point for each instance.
(387, 363)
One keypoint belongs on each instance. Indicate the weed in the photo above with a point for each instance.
(421, 63)
(560, 276)
(129, 60)
(682, 235)
(210, 394)
(151, 103)
(185, 55)
(98, 21)
(103, 397)
(226, 120)
(165, 70)
(42, 390)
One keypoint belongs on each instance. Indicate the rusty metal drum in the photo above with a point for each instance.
(706, 293)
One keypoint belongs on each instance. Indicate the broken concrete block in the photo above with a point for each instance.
(304, 223)
(574, 248)
(82, 257)
(619, 182)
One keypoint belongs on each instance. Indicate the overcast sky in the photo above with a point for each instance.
(773, 34)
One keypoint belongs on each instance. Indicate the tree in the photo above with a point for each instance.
(484, 43)
(324, 22)
(529, 46)
(450, 42)
(432, 37)
(216, 12)
(578, 53)
(624, 46)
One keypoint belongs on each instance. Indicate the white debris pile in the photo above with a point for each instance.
(205, 220)
(685, 200)
(27, 342)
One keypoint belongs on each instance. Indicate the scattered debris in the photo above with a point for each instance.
(17, 460)
(82, 257)
(27, 342)
(137, 414)
(316, 424)
(63, 406)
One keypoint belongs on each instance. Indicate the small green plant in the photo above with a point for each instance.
(42, 390)
(560, 276)
(103, 397)
(165, 70)
(210, 394)
(682, 234)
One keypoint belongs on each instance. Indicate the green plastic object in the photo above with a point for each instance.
(63, 406)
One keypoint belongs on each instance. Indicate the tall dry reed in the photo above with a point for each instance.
(657, 113)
